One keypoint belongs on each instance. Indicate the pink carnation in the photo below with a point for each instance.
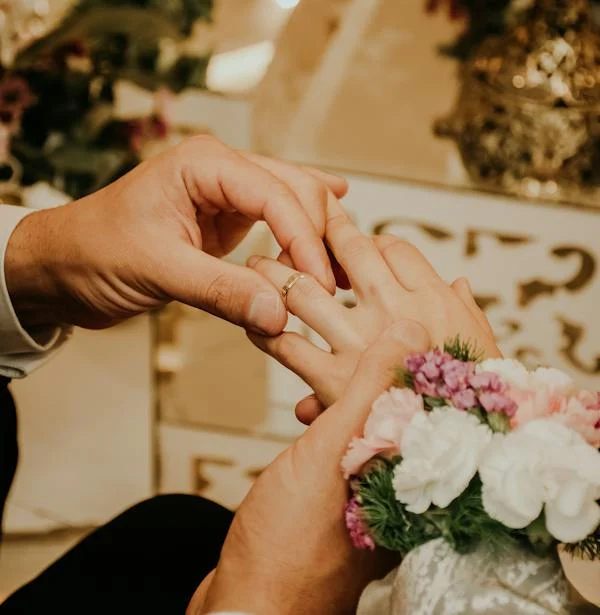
(359, 532)
(390, 415)
(438, 374)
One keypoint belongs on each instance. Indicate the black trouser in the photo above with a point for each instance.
(9, 451)
(149, 559)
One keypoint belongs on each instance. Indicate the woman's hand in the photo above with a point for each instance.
(288, 550)
(158, 234)
(391, 280)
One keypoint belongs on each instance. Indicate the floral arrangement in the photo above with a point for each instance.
(482, 18)
(59, 95)
(477, 452)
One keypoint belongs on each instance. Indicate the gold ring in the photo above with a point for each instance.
(285, 289)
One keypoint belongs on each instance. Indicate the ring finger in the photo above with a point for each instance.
(308, 300)
(315, 366)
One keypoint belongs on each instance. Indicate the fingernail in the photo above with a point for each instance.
(265, 314)
(326, 276)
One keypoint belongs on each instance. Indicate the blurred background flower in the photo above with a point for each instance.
(58, 95)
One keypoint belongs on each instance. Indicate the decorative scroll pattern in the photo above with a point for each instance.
(554, 285)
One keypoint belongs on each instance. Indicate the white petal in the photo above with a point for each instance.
(444, 493)
(498, 510)
(416, 500)
(550, 433)
(512, 372)
(586, 461)
(420, 501)
(553, 378)
(573, 496)
(572, 529)
(523, 492)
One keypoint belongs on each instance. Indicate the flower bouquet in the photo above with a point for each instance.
(474, 472)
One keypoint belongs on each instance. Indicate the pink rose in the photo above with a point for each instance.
(390, 415)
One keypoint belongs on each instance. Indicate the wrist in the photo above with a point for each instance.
(236, 591)
(239, 598)
(29, 271)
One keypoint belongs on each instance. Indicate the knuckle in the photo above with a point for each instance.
(385, 240)
(397, 246)
(338, 222)
(307, 289)
(279, 196)
(415, 336)
(283, 346)
(220, 293)
(259, 263)
(357, 247)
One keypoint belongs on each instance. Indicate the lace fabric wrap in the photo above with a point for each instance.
(436, 580)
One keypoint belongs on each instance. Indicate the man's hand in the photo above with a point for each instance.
(158, 233)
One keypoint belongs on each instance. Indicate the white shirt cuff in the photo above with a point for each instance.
(21, 351)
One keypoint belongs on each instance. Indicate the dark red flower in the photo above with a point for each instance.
(159, 127)
(140, 131)
(456, 9)
(15, 98)
(15, 93)
(75, 48)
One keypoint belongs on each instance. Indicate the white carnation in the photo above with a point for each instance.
(552, 378)
(543, 466)
(512, 372)
(441, 452)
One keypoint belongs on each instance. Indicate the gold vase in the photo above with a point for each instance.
(527, 119)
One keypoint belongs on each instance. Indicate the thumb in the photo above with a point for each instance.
(375, 373)
(232, 292)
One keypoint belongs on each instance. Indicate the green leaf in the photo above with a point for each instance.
(477, 412)
(464, 524)
(498, 422)
(540, 539)
(434, 402)
(463, 350)
(586, 549)
(402, 378)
